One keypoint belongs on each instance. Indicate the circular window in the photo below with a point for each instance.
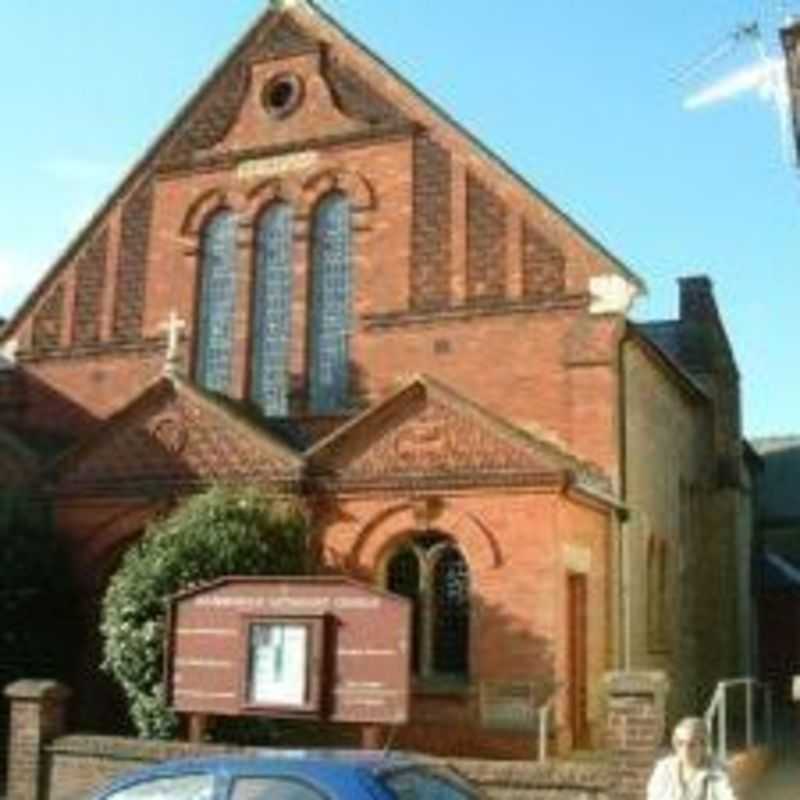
(282, 95)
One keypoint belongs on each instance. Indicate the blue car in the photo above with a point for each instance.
(294, 775)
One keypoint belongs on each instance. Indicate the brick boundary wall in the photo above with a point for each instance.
(635, 728)
(45, 763)
(77, 765)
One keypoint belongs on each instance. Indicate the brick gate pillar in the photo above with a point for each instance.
(635, 727)
(38, 711)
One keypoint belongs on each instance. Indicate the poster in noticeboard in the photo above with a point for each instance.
(279, 656)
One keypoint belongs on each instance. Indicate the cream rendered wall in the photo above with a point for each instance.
(668, 445)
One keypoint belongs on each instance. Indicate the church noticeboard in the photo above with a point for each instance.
(323, 648)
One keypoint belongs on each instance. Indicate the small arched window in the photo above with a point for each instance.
(272, 311)
(217, 301)
(329, 324)
(431, 571)
(657, 636)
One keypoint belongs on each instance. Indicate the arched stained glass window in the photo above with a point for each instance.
(272, 311)
(330, 304)
(450, 612)
(403, 578)
(217, 301)
(432, 573)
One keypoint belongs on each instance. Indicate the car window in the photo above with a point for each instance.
(177, 787)
(274, 789)
(423, 783)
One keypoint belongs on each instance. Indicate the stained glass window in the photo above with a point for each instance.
(330, 304)
(403, 578)
(451, 612)
(217, 301)
(433, 574)
(272, 311)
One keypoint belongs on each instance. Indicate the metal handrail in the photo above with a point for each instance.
(545, 714)
(717, 711)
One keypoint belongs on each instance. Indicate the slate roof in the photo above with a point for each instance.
(684, 342)
(672, 341)
(779, 481)
(779, 572)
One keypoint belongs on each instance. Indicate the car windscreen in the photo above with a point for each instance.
(428, 783)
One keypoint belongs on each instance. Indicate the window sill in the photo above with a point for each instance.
(441, 685)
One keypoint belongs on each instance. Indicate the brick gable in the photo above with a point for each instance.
(173, 436)
(429, 435)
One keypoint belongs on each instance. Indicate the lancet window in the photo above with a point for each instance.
(431, 571)
(329, 323)
(272, 310)
(657, 565)
(217, 301)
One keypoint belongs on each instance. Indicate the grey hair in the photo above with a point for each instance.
(690, 727)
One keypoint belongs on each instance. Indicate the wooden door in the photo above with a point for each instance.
(577, 659)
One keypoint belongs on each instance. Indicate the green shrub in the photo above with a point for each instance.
(221, 532)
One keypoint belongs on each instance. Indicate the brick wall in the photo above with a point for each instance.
(47, 764)
(520, 548)
(635, 728)
(454, 261)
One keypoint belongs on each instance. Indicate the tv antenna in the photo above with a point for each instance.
(766, 76)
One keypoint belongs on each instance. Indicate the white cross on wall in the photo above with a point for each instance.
(173, 326)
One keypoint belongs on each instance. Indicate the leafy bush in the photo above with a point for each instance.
(221, 532)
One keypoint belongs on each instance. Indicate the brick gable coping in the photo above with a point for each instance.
(352, 90)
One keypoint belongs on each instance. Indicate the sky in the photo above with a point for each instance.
(584, 99)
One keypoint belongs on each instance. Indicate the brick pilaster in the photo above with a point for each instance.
(38, 711)
(635, 725)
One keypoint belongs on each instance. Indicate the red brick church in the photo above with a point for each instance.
(317, 283)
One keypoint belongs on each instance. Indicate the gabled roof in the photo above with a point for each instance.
(173, 434)
(428, 432)
(674, 346)
(779, 480)
(297, 16)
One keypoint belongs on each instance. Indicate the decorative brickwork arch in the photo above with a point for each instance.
(201, 209)
(380, 535)
(357, 188)
(269, 191)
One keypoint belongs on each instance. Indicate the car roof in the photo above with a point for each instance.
(263, 761)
